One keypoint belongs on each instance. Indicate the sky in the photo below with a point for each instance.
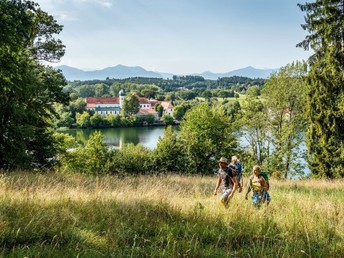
(179, 36)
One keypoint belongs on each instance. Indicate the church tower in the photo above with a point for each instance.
(121, 97)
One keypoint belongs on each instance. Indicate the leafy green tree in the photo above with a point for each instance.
(98, 121)
(102, 90)
(253, 91)
(285, 94)
(28, 89)
(86, 91)
(168, 155)
(130, 159)
(325, 137)
(158, 108)
(207, 94)
(179, 112)
(65, 120)
(145, 118)
(77, 106)
(206, 134)
(167, 119)
(90, 159)
(131, 105)
(83, 120)
(255, 125)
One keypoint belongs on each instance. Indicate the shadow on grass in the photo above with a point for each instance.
(144, 229)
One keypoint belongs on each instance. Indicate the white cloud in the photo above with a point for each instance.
(105, 3)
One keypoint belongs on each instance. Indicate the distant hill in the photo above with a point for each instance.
(122, 72)
(116, 72)
(249, 72)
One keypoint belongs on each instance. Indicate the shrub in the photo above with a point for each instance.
(130, 158)
(90, 159)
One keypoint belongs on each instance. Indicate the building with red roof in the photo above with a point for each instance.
(113, 105)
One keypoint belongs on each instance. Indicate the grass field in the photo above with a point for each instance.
(57, 215)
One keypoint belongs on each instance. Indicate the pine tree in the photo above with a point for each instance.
(325, 137)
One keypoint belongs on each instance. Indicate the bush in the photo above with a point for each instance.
(168, 153)
(90, 159)
(130, 158)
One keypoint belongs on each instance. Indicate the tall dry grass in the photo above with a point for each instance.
(61, 215)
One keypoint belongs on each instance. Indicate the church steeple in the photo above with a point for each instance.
(121, 97)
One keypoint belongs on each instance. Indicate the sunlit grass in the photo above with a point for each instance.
(58, 215)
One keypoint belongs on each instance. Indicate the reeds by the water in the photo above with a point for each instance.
(64, 215)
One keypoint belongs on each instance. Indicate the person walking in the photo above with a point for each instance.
(259, 187)
(236, 168)
(226, 180)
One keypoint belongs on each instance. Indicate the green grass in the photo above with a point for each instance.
(57, 215)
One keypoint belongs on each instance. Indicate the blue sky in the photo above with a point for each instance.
(179, 36)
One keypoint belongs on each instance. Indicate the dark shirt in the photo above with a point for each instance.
(226, 177)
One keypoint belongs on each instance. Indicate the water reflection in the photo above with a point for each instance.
(116, 137)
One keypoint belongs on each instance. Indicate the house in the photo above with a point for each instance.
(113, 105)
(104, 106)
(168, 107)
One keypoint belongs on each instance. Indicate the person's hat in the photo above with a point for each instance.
(223, 160)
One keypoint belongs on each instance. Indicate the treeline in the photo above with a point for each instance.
(235, 83)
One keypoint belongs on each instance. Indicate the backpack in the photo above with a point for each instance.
(266, 177)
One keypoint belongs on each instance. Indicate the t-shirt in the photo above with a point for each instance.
(237, 167)
(256, 183)
(226, 176)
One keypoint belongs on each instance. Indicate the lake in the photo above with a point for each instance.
(116, 137)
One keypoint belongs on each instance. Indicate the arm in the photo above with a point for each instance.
(217, 185)
(264, 184)
(248, 190)
(235, 182)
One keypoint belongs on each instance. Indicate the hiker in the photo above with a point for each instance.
(259, 186)
(236, 168)
(227, 181)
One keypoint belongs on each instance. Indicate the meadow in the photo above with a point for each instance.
(64, 215)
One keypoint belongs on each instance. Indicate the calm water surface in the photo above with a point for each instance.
(116, 137)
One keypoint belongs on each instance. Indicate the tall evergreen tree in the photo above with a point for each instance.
(325, 25)
(28, 88)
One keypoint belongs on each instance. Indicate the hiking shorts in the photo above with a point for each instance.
(225, 193)
(261, 196)
(267, 196)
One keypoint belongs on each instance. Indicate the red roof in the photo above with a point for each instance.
(147, 111)
(166, 104)
(144, 101)
(114, 100)
(153, 102)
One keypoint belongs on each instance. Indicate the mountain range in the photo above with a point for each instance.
(122, 72)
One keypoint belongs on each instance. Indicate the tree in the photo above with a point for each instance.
(254, 122)
(178, 112)
(131, 105)
(97, 120)
(253, 91)
(285, 93)
(168, 152)
(90, 158)
(325, 136)
(28, 89)
(167, 119)
(77, 106)
(83, 120)
(206, 134)
(159, 108)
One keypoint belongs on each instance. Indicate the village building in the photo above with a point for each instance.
(113, 105)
